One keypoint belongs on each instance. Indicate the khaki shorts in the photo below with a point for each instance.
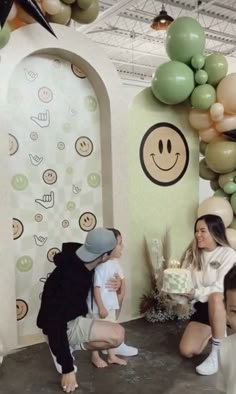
(79, 330)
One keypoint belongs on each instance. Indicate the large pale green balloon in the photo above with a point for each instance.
(84, 4)
(205, 172)
(87, 15)
(216, 67)
(173, 82)
(4, 35)
(185, 38)
(203, 96)
(63, 16)
(220, 156)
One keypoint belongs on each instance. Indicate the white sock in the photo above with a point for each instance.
(215, 345)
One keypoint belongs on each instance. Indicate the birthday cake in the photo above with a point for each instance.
(177, 281)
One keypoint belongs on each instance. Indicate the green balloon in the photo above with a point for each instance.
(4, 35)
(63, 16)
(230, 177)
(205, 172)
(87, 15)
(198, 61)
(229, 188)
(84, 4)
(185, 38)
(221, 193)
(203, 97)
(201, 77)
(233, 202)
(173, 82)
(216, 67)
(214, 184)
(202, 147)
(233, 223)
(221, 156)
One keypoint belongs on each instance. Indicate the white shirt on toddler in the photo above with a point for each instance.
(226, 379)
(104, 272)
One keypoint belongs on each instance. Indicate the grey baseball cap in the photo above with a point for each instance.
(97, 242)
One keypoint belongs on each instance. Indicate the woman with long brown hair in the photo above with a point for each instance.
(209, 258)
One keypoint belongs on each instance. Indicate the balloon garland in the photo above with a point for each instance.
(201, 83)
(22, 12)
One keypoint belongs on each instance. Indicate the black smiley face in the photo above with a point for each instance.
(51, 254)
(17, 228)
(164, 154)
(84, 146)
(87, 221)
(21, 309)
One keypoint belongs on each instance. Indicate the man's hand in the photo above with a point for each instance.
(114, 283)
(68, 382)
(103, 312)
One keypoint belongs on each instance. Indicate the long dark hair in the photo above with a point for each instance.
(216, 228)
(116, 232)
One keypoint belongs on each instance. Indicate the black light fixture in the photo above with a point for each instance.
(162, 21)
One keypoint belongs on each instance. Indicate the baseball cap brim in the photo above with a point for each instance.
(85, 255)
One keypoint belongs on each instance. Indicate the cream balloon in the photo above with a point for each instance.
(12, 13)
(228, 123)
(217, 206)
(226, 93)
(209, 134)
(217, 112)
(231, 236)
(200, 120)
(52, 7)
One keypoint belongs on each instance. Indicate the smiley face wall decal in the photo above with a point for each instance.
(21, 309)
(164, 154)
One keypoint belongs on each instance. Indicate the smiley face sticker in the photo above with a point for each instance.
(51, 254)
(13, 144)
(87, 221)
(84, 146)
(164, 154)
(21, 309)
(50, 177)
(78, 72)
(17, 228)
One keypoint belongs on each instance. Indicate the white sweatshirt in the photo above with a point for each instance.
(226, 381)
(215, 265)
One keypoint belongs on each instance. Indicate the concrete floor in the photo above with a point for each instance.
(158, 369)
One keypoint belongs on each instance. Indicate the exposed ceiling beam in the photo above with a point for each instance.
(105, 15)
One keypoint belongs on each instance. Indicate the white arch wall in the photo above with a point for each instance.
(79, 50)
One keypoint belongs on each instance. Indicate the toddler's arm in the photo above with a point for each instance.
(101, 308)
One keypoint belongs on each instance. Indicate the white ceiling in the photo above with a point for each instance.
(123, 31)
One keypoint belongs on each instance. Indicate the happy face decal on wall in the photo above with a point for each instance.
(164, 154)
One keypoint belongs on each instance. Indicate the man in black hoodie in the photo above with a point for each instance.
(62, 315)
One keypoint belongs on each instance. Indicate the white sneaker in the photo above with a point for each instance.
(57, 365)
(124, 350)
(209, 366)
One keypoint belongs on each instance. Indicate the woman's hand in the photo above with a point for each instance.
(114, 283)
(68, 382)
(190, 295)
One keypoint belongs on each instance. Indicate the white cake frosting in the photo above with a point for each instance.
(177, 281)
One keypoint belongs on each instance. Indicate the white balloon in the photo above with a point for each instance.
(217, 206)
(52, 7)
(12, 13)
